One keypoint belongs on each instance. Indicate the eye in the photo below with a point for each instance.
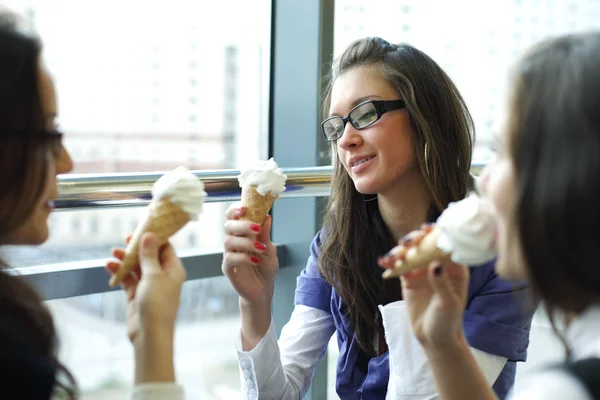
(366, 117)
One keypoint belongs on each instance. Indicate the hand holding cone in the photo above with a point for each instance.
(177, 198)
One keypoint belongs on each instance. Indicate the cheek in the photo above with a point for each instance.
(341, 156)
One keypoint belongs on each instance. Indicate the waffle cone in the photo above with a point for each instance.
(257, 205)
(164, 219)
(419, 256)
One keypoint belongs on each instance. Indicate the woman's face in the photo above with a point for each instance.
(498, 184)
(379, 156)
(34, 229)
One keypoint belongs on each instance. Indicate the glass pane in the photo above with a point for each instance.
(147, 86)
(475, 42)
(88, 235)
(95, 346)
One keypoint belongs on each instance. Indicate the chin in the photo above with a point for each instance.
(365, 188)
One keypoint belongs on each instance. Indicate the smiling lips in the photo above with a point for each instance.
(356, 161)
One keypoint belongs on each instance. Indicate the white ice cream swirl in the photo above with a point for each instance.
(266, 176)
(468, 230)
(183, 189)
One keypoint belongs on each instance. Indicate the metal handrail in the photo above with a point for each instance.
(87, 191)
(129, 190)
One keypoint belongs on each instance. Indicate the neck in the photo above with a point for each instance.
(405, 206)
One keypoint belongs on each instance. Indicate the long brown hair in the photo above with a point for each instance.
(23, 317)
(554, 131)
(442, 132)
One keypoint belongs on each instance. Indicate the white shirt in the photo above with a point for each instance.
(283, 371)
(583, 336)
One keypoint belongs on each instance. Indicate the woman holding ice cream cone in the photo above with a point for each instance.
(544, 189)
(31, 156)
(401, 137)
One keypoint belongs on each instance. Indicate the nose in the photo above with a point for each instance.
(64, 163)
(351, 137)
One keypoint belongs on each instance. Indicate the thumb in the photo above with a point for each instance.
(149, 253)
(440, 283)
(265, 233)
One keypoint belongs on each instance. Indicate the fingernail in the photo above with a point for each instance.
(255, 227)
(405, 240)
(240, 209)
(255, 260)
(150, 242)
(437, 270)
(260, 246)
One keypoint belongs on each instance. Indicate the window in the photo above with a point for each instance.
(128, 88)
(475, 49)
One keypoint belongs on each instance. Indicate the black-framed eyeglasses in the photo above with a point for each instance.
(55, 144)
(362, 116)
(51, 139)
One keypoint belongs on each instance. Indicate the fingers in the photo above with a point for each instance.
(440, 283)
(148, 254)
(235, 211)
(233, 261)
(118, 253)
(413, 238)
(242, 228)
(265, 233)
(167, 254)
(427, 227)
(238, 244)
(414, 278)
(129, 284)
(388, 260)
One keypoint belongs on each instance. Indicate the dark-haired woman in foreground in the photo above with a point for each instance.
(545, 190)
(31, 156)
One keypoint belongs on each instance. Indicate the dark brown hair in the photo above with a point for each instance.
(555, 148)
(24, 319)
(442, 132)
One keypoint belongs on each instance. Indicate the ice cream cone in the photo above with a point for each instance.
(257, 205)
(419, 256)
(164, 219)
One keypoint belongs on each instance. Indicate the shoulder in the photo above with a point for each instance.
(553, 384)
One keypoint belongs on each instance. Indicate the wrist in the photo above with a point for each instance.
(154, 360)
(255, 321)
(448, 349)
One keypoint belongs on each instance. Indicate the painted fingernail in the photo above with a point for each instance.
(255, 260)
(260, 246)
(255, 227)
(437, 270)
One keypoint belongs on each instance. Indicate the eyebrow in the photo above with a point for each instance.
(359, 100)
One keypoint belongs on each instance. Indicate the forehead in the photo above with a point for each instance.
(357, 83)
(47, 90)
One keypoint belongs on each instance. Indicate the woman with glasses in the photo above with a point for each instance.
(31, 156)
(401, 137)
(544, 188)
